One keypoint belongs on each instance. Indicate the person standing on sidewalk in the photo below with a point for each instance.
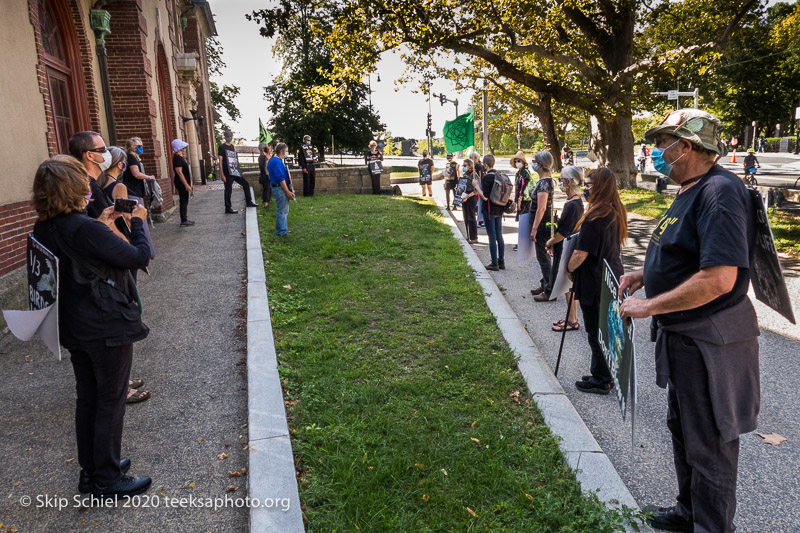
(280, 181)
(493, 215)
(695, 277)
(425, 167)
(231, 172)
(470, 201)
(481, 170)
(602, 232)
(374, 161)
(98, 320)
(263, 175)
(307, 159)
(182, 179)
(541, 209)
(451, 175)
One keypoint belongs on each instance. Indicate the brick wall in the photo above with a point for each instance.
(16, 221)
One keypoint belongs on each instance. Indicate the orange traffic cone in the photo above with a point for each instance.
(733, 159)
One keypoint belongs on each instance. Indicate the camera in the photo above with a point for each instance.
(124, 205)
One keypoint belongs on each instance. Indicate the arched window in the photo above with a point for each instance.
(61, 65)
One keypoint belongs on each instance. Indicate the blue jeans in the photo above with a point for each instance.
(282, 215)
(494, 229)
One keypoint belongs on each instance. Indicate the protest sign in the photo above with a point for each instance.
(42, 318)
(524, 244)
(616, 340)
(563, 284)
(461, 189)
(766, 274)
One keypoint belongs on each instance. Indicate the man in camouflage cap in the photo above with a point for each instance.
(695, 277)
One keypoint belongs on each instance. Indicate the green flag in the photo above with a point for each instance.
(263, 134)
(459, 133)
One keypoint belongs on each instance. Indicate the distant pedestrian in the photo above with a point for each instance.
(481, 170)
(696, 277)
(182, 179)
(541, 210)
(281, 191)
(762, 145)
(451, 175)
(568, 155)
(469, 200)
(493, 215)
(570, 183)
(265, 154)
(602, 232)
(308, 160)
(644, 153)
(374, 161)
(232, 173)
(425, 167)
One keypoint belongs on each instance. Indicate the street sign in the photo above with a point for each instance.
(492, 117)
(672, 95)
(797, 113)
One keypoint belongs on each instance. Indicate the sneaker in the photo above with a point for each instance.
(668, 519)
(501, 264)
(594, 386)
(493, 266)
(481, 224)
(187, 223)
(515, 247)
(537, 291)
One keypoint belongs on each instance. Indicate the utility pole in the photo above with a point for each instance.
(485, 118)
(519, 135)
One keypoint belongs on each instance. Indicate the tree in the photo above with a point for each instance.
(585, 53)
(222, 97)
(299, 26)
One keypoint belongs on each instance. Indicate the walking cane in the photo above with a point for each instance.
(564, 329)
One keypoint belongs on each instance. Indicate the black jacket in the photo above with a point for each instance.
(92, 314)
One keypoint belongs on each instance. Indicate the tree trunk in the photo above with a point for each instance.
(612, 141)
(549, 133)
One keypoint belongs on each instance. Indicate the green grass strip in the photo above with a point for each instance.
(406, 409)
(785, 226)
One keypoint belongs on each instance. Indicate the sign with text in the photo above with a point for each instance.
(766, 275)
(672, 95)
(616, 340)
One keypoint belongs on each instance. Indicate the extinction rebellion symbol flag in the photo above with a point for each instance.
(459, 134)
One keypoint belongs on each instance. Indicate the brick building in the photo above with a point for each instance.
(123, 68)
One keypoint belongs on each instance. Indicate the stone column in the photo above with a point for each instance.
(188, 81)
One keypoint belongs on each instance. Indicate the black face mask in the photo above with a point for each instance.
(586, 191)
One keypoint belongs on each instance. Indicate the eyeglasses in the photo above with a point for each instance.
(101, 150)
(588, 183)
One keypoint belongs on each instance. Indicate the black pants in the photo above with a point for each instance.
(229, 180)
(705, 465)
(376, 183)
(266, 192)
(183, 193)
(309, 178)
(591, 320)
(470, 207)
(101, 381)
(542, 236)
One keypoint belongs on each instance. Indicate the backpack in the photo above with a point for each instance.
(501, 189)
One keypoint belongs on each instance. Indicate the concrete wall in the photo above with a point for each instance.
(339, 180)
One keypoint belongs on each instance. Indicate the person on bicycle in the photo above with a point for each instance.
(751, 162)
(644, 153)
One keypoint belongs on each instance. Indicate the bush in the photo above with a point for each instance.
(773, 143)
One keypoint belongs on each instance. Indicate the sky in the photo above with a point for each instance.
(251, 66)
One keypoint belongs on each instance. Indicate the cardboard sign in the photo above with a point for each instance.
(459, 192)
(765, 273)
(563, 284)
(616, 340)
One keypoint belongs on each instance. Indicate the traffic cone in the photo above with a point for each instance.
(733, 159)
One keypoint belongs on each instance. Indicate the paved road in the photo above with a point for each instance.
(191, 364)
(768, 485)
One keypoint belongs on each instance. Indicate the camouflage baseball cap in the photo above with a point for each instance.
(698, 127)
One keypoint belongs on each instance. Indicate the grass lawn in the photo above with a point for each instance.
(406, 409)
(399, 171)
(785, 226)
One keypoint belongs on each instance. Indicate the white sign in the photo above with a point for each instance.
(672, 95)
(797, 113)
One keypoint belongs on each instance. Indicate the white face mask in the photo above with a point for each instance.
(105, 164)
(518, 164)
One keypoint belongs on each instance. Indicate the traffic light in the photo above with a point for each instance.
(442, 99)
(430, 122)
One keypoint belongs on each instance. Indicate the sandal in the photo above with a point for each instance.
(136, 395)
(135, 383)
(570, 326)
(558, 322)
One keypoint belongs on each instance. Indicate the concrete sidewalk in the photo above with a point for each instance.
(769, 494)
(193, 363)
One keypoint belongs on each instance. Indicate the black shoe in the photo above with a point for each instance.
(231, 211)
(187, 223)
(588, 377)
(493, 266)
(86, 482)
(516, 247)
(481, 225)
(126, 486)
(667, 519)
(537, 291)
(251, 204)
(501, 264)
(594, 386)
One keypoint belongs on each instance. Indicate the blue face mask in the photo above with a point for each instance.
(139, 150)
(658, 159)
(535, 166)
(464, 170)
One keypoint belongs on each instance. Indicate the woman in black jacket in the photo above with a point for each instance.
(99, 316)
(263, 174)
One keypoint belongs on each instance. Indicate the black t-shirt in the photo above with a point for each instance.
(98, 201)
(425, 167)
(229, 160)
(306, 156)
(451, 172)
(180, 162)
(480, 169)
(487, 182)
(600, 239)
(750, 161)
(543, 185)
(570, 215)
(263, 173)
(710, 224)
(135, 186)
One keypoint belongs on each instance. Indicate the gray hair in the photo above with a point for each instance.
(475, 156)
(281, 147)
(262, 147)
(573, 174)
(118, 155)
(488, 160)
(545, 160)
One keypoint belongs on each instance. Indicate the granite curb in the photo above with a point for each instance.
(271, 474)
(593, 469)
